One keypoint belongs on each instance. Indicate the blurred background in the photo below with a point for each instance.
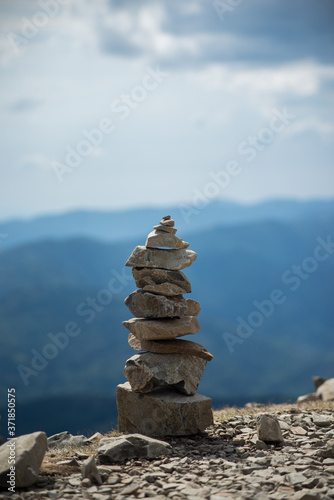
(116, 113)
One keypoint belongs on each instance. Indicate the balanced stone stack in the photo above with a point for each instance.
(160, 397)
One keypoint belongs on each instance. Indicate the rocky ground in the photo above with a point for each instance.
(227, 462)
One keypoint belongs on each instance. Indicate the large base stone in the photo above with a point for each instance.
(163, 413)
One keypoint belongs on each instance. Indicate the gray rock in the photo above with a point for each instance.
(166, 229)
(149, 371)
(27, 453)
(260, 445)
(66, 440)
(174, 259)
(71, 462)
(167, 221)
(148, 276)
(163, 239)
(167, 289)
(318, 381)
(162, 413)
(328, 452)
(296, 478)
(306, 495)
(326, 390)
(149, 305)
(159, 329)
(173, 346)
(268, 428)
(121, 448)
(193, 307)
(322, 421)
(89, 470)
(308, 397)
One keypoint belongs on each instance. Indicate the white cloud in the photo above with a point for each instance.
(302, 79)
(314, 124)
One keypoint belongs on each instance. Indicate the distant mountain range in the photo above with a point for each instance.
(265, 286)
(115, 226)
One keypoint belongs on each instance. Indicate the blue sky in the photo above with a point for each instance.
(117, 104)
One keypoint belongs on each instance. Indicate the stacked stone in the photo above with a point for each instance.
(160, 397)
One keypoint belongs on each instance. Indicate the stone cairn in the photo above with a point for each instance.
(160, 397)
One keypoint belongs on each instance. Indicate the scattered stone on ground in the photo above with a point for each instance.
(324, 391)
(66, 440)
(268, 428)
(318, 381)
(121, 448)
(224, 463)
(25, 453)
(90, 471)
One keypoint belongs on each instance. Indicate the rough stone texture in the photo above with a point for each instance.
(166, 229)
(167, 289)
(322, 421)
(29, 453)
(174, 259)
(121, 448)
(169, 347)
(193, 307)
(328, 452)
(149, 305)
(90, 471)
(148, 276)
(326, 390)
(159, 329)
(162, 413)
(167, 222)
(66, 440)
(164, 239)
(150, 371)
(268, 428)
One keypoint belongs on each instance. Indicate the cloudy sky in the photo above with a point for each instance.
(123, 103)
